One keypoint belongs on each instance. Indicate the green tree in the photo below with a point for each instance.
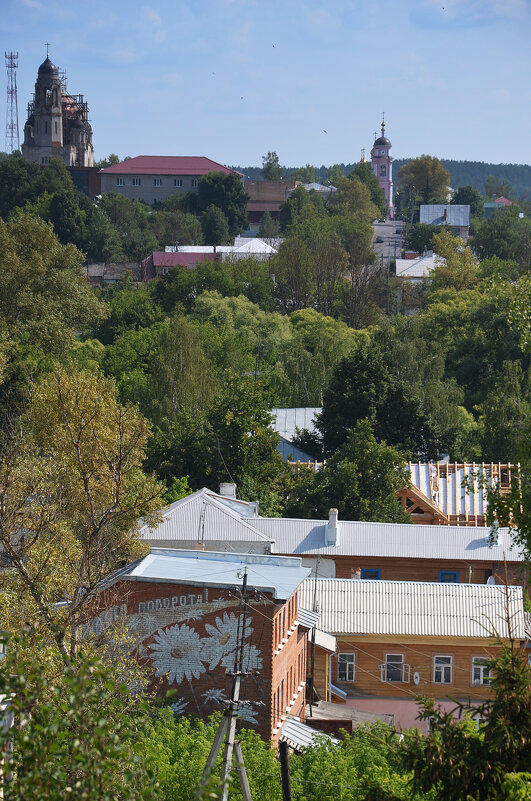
(227, 192)
(130, 307)
(78, 734)
(304, 174)
(297, 201)
(132, 221)
(335, 173)
(426, 176)
(111, 159)
(460, 268)
(469, 196)
(364, 173)
(271, 169)
(419, 237)
(361, 480)
(353, 197)
(71, 479)
(215, 226)
(497, 187)
(458, 762)
(269, 228)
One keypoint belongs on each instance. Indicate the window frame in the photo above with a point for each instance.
(120, 181)
(482, 664)
(136, 182)
(157, 181)
(178, 182)
(447, 573)
(400, 665)
(350, 663)
(365, 570)
(195, 183)
(442, 668)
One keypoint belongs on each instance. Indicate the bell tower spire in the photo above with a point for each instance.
(382, 164)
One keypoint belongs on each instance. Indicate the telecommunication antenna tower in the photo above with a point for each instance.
(12, 139)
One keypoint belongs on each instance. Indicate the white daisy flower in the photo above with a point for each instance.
(179, 706)
(177, 654)
(247, 714)
(214, 696)
(251, 658)
(223, 638)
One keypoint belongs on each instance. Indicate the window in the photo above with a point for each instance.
(195, 182)
(45, 127)
(177, 181)
(394, 669)
(442, 669)
(137, 182)
(480, 670)
(157, 181)
(370, 573)
(448, 576)
(56, 127)
(383, 170)
(120, 182)
(346, 667)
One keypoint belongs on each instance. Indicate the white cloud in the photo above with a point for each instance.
(152, 15)
(31, 3)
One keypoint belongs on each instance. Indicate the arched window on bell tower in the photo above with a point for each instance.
(383, 171)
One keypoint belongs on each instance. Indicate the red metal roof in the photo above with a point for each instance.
(161, 259)
(167, 165)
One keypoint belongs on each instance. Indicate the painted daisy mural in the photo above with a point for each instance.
(220, 646)
(176, 652)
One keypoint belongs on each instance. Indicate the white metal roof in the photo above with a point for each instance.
(280, 575)
(298, 735)
(356, 606)
(417, 268)
(308, 537)
(433, 214)
(205, 515)
(287, 420)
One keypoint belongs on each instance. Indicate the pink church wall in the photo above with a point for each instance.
(405, 711)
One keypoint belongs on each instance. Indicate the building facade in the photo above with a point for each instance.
(57, 123)
(183, 611)
(154, 178)
(382, 165)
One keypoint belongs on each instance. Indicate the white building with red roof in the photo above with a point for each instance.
(155, 178)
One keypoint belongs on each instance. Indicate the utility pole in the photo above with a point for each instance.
(227, 727)
(12, 138)
(284, 770)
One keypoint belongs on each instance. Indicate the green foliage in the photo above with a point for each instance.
(419, 236)
(361, 480)
(179, 488)
(215, 226)
(427, 176)
(497, 187)
(269, 228)
(131, 219)
(228, 194)
(304, 174)
(365, 173)
(77, 736)
(460, 268)
(271, 169)
(459, 762)
(468, 196)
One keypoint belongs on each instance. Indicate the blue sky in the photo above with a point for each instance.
(233, 79)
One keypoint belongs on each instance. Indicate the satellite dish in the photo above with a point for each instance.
(416, 677)
(491, 581)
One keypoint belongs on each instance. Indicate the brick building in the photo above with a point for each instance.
(181, 609)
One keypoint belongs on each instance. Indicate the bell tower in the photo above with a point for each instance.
(382, 165)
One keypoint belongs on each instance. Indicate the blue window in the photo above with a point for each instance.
(449, 576)
(370, 573)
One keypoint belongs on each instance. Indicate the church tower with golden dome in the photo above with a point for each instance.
(382, 165)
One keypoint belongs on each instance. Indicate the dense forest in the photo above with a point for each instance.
(462, 173)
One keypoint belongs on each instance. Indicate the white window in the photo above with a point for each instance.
(346, 667)
(157, 181)
(177, 181)
(480, 670)
(195, 182)
(120, 182)
(442, 669)
(137, 182)
(394, 669)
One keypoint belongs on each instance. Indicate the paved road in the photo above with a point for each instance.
(392, 242)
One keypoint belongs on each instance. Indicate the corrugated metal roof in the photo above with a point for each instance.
(174, 259)
(433, 214)
(167, 165)
(298, 735)
(307, 537)
(307, 618)
(356, 606)
(287, 420)
(280, 575)
(204, 516)
(417, 268)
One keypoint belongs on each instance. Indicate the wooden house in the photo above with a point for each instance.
(397, 640)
